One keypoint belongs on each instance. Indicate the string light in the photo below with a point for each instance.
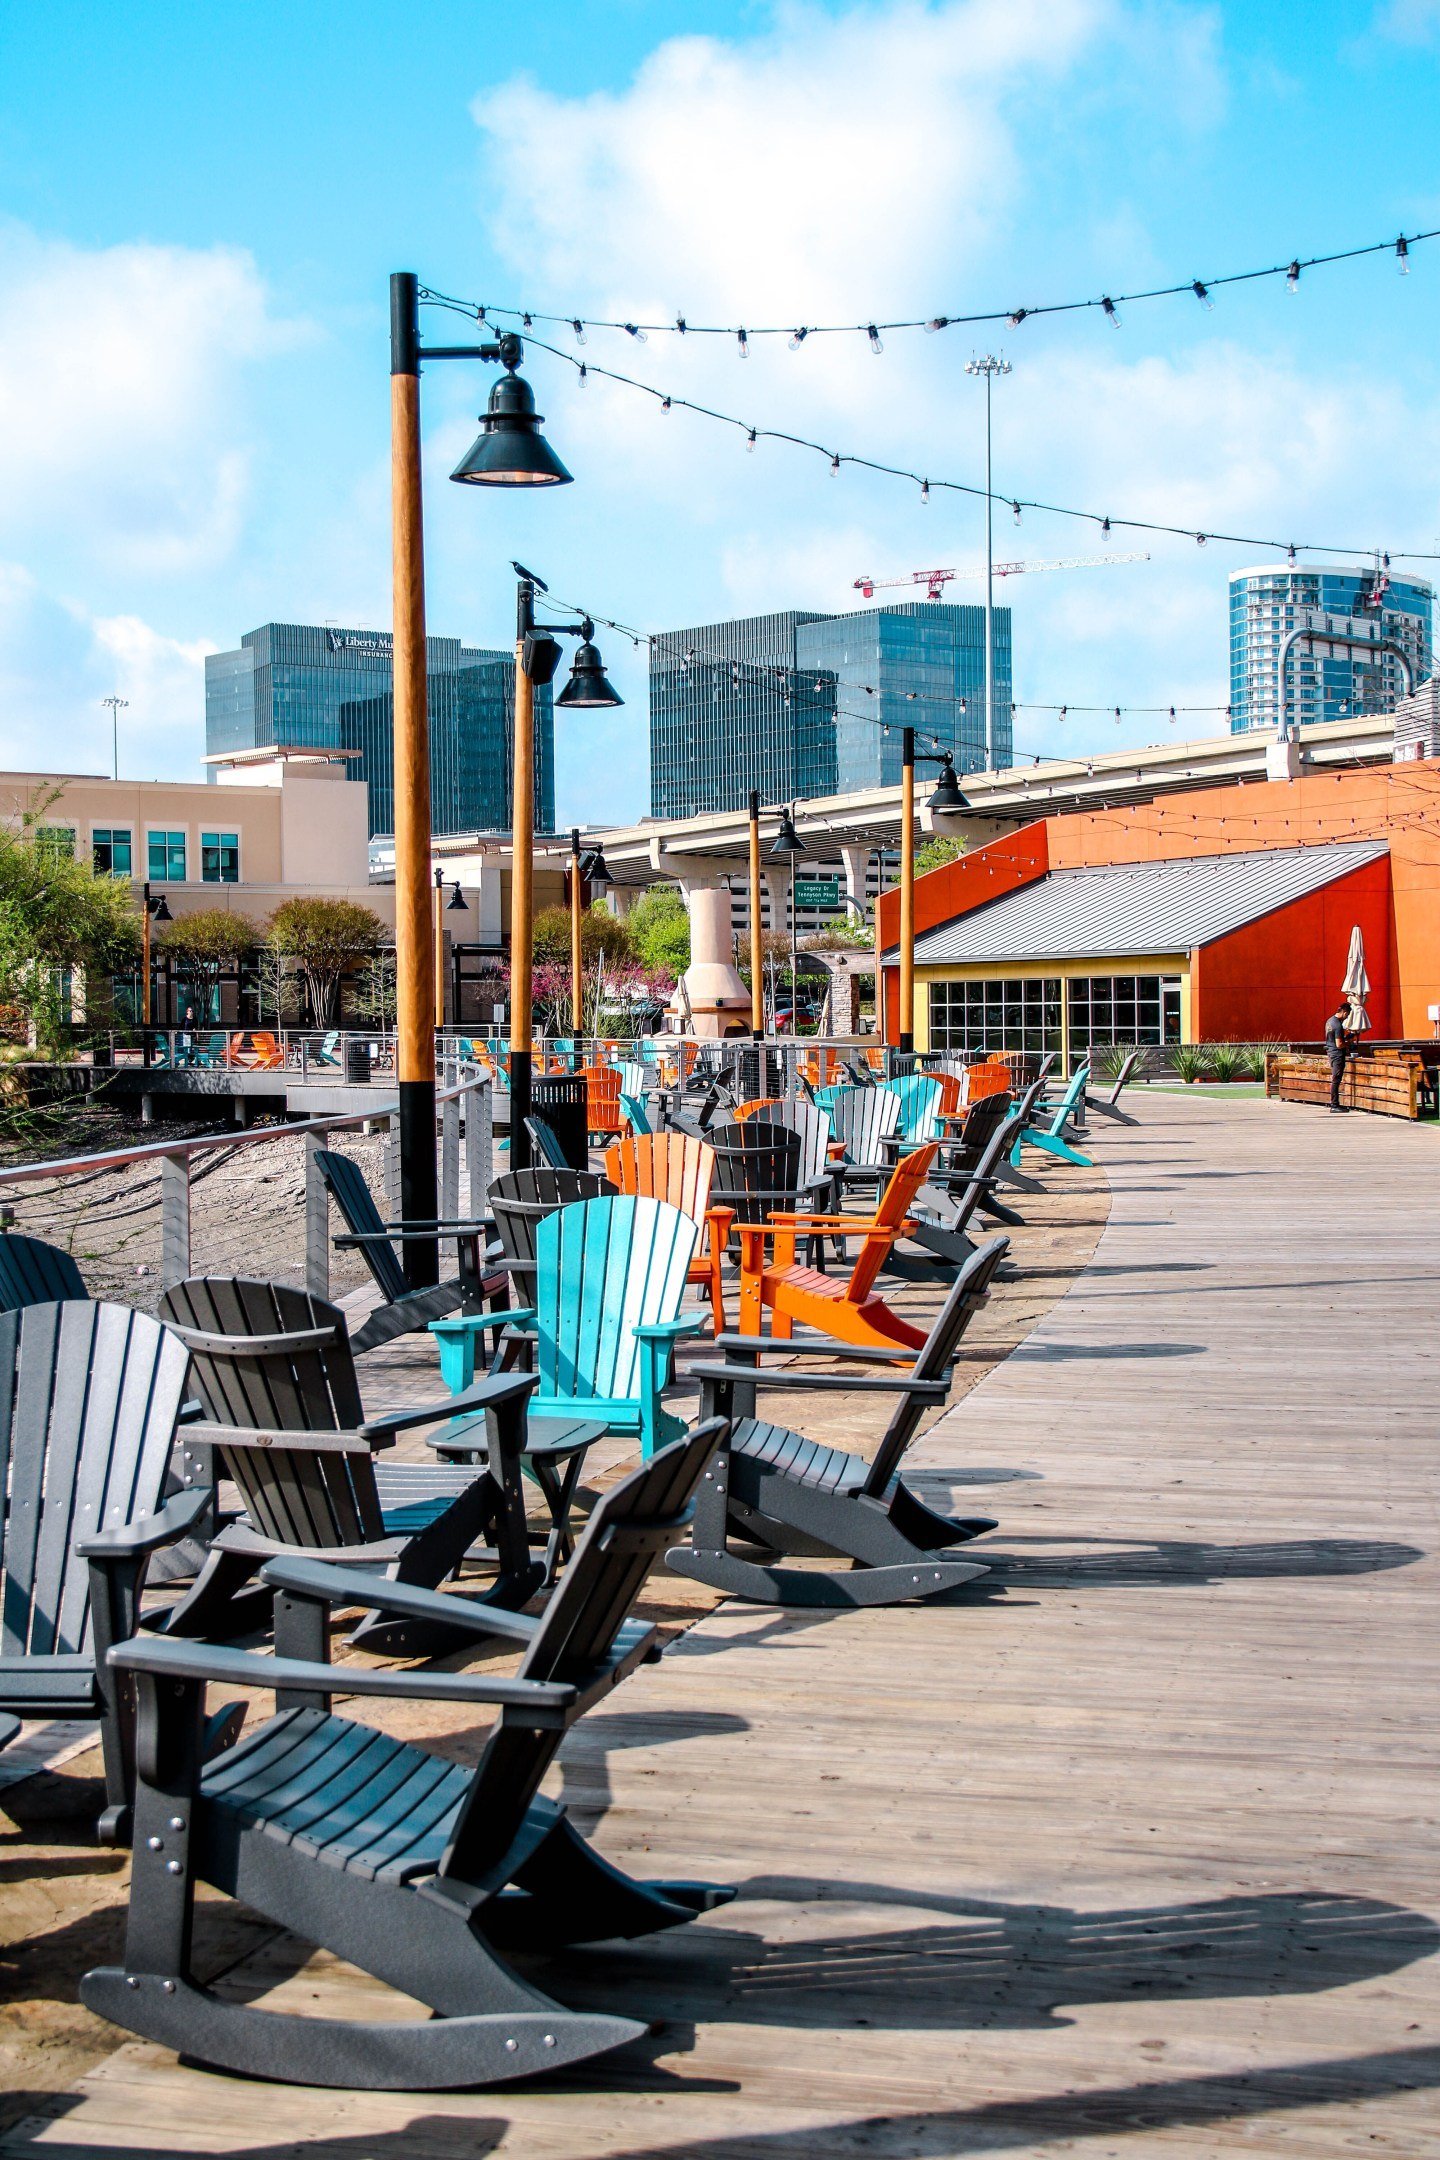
(1202, 289)
(1106, 524)
(742, 339)
(750, 440)
(876, 345)
(925, 493)
(579, 329)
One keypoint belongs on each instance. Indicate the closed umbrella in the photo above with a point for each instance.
(1356, 986)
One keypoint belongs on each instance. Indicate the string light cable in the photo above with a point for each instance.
(1107, 305)
(1104, 522)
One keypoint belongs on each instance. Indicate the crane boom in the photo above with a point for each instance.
(935, 580)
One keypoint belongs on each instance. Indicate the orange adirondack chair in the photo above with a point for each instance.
(602, 1099)
(990, 1078)
(748, 1109)
(849, 1310)
(678, 1168)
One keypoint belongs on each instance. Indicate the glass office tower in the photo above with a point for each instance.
(799, 705)
(300, 686)
(1272, 599)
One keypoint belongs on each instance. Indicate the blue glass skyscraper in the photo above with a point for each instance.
(302, 686)
(1269, 601)
(799, 704)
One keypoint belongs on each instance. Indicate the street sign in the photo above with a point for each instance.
(817, 892)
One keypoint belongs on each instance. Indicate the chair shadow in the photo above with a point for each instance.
(1016, 1967)
(1048, 1353)
(1193, 1562)
(585, 1756)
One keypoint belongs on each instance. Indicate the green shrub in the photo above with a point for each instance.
(1192, 1061)
(1227, 1061)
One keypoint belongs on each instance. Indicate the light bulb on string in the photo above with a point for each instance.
(634, 330)
(1292, 278)
(798, 337)
(664, 404)
(1105, 528)
(835, 465)
(1111, 310)
(1117, 716)
(750, 439)
(584, 375)
(526, 323)
(1200, 540)
(1063, 710)
(1201, 292)
(579, 329)
(681, 325)
(938, 322)
(744, 344)
(1402, 255)
(873, 334)
(925, 493)
(1172, 716)
(1015, 512)
(1290, 553)
(1017, 316)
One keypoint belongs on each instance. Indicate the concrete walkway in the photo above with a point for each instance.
(1131, 1849)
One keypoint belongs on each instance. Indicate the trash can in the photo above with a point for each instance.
(560, 1099)
(357, 1061)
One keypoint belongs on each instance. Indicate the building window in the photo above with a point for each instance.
(996, 1015)
(1123, 1009)
(111, 845)
(56, 841)
(220, 858)
(166, 858)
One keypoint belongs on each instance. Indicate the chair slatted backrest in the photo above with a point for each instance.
(346, 1185)
(520, 1200)
(966, 1295)
(674, 1167)
(579, 1633)
(896, 1201)
(862, 1120)
(264, 1354)
(757, 1169)
(89, 1399)
(636, 1077)
(603, 1267)
(545, 1141)
(981, 1120)
(813, 1126)
(634, 1113)
(992, 1076)
(1071, 1100)
(34, 1273)
(602, 1097)
(919, 1096)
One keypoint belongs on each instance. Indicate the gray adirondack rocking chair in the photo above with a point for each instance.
(521, 1199)
(34, 1273)
(1108, 1103)
(405, 1310)
(415, 1867)
(273, 1369)
(89, 1399)
(774, 1488)
(944, 1209)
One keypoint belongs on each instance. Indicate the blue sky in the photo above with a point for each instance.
(200, 207)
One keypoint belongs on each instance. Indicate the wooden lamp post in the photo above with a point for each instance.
(757, 934)
(946, 802)
(509, 452)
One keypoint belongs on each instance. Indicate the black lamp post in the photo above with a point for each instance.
(510, 451)
(153, 910)
(787, 844)
(586, 871)
(946, 802)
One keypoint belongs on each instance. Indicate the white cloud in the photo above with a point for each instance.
(57, 662)
(1410, 22)
(122, 435)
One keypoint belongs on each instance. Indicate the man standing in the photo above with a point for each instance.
(1337, 1049)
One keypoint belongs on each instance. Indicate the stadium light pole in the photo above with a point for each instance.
(989, 367)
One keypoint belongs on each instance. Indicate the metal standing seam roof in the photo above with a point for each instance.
(1148, 907)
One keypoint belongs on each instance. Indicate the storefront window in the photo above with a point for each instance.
(1123, 1009)
(996, 1015)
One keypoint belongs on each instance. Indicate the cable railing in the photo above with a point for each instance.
(138, 1219)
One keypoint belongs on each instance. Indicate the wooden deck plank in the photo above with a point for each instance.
(1129, 1848)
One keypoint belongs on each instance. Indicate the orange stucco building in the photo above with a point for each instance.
(1273, 976)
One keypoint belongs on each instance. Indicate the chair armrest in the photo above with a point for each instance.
(670, 1330)
(427, 1225)
(475, 1323)
(492, 1393)
(162, 1654)
(788, 1346)
(192, 1410)
(824, 1383)
(435, 1233)
(341, 1586)
(128, 1540)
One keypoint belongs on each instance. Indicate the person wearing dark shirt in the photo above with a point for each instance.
(1337, 1049)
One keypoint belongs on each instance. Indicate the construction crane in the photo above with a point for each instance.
(935, 580)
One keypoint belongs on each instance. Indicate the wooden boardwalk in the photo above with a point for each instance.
(1129, 1849)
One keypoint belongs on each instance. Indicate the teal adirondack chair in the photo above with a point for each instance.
(1051, 1137)
(919, 1097)
(609, 1280)
(632, 1108)
(327, 1050)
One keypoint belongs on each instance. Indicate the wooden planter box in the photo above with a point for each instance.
(1386, 1082)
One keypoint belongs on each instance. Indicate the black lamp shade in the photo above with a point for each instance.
(589, 685)
(787, 841)
(947, 800)
(510, 451)
(159, 911)
(455, 901)
(597, 876)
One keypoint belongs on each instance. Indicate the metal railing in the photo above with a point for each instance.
(75, 1198)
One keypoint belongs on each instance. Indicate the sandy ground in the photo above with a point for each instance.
(62, 1899)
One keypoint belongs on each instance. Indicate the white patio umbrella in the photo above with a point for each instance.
(1356, 985)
